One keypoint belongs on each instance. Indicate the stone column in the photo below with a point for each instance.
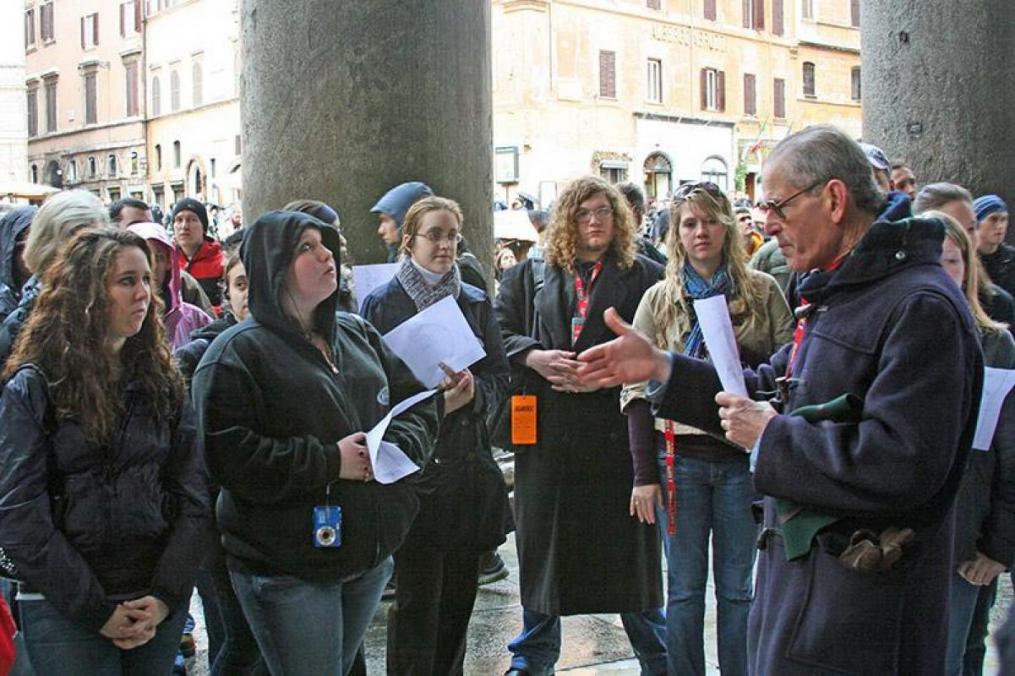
(938, 92)
(342, 100)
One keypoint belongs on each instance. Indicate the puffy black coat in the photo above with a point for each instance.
(88, 526)
(468, 503)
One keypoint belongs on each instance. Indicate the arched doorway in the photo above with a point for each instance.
(195, 180)
(54, 174)
(658, 176)
(714, 170)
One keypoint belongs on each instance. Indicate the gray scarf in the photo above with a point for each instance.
(422, 293)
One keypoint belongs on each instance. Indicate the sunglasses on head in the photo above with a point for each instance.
(702, 186)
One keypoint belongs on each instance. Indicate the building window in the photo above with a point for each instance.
(131, 71)
(176, 154)
(713, 89)
(653, 4)
(135, 164)
(613, 171)
(51, 105)
(750, 95)
(809, 80)
(710, 10)
(854, 77)
(91, 107)
(607, 74)
(777, 18)
(130, 17)
(197, 78)
(156, 96)
(35, 173)
(91, 167)
(654, 82)
(806, 9)
(779, 98)
(174, 91)
(72, 170)
(111, 166)
(237, 145)
(33, 112)
(46, 22)
(89, 30)
(658, 176)
(714, 170)
(854, 13)
(754, 14)
(212, 162)
(29, 28)
(158, 156)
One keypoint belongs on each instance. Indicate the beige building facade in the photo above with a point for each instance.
(13, 124)
(662, 92)
(193, 74)
(84, 102)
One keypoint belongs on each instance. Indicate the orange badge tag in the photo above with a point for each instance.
(523, 420)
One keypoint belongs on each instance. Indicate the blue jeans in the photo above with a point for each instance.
(968, 617)
(713, 499)
(310, 628)
(537, 648)
(58, 646)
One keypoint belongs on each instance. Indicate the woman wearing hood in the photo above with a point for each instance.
(285, 399)
(14, 228)
(180, 318)
(463, 515)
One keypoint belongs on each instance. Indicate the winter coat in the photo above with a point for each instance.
(985, 506)
(88, 526)
(769, 258)
(206, 266)
(273, 411)
(998, 304)
(890, 327)
(188, 355)
(12, 225)
(1000, 267)
(468, 504)
(580, 551)
(180, 318)
(15, 321)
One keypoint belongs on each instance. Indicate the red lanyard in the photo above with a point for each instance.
(671, 480)
(583, 300)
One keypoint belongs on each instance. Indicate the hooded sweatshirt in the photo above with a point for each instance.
(396, 202)
(12, 225)
(180, 318)
(273, 411)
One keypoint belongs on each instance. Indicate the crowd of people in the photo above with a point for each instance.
(180, 409)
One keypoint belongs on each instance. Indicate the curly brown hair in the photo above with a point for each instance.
(562, 236)
(67, 334)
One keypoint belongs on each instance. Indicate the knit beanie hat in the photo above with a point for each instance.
(985, 205)
(191, 204)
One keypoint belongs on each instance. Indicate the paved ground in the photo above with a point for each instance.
(591, 645)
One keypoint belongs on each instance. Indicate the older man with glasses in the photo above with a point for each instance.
(863, 440)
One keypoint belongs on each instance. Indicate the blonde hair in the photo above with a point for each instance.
(747, 294)
(60, 217)
(414, 216)
(971, 278)
(562, 235)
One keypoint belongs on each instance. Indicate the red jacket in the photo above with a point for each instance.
(206, 267)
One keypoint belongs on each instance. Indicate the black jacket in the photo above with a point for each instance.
(89, 526)
(469, 501)
(1000, 267)
(12, 225)
(272, 411)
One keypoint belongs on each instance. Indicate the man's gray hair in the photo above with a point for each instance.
(823, 152)
(936, 195)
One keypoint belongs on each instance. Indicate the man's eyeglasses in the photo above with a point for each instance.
(778, 206)
(584, 216)
(453, 238)
(687, 189)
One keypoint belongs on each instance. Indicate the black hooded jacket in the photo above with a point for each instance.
(11, 226)
(273, 412)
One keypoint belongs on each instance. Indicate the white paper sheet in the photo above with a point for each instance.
(997, 383)
(714, 318)
(366, 278)
(390, 463)
(438, 334)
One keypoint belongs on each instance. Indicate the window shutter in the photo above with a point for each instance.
(854, 11)
(704, 89)
(95, 27)
(777, 18)
(759, 15)
(607, 74)
(123, 23)
(720, 91)
(137, 16)
(750, 97)
(710, 10)
(779, 94)
(653, 4)
(82, 32)
(747, 13)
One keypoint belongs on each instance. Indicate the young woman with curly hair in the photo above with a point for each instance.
(706, 478)
(103, 502)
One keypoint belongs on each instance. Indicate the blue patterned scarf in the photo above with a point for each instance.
(697, 288)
